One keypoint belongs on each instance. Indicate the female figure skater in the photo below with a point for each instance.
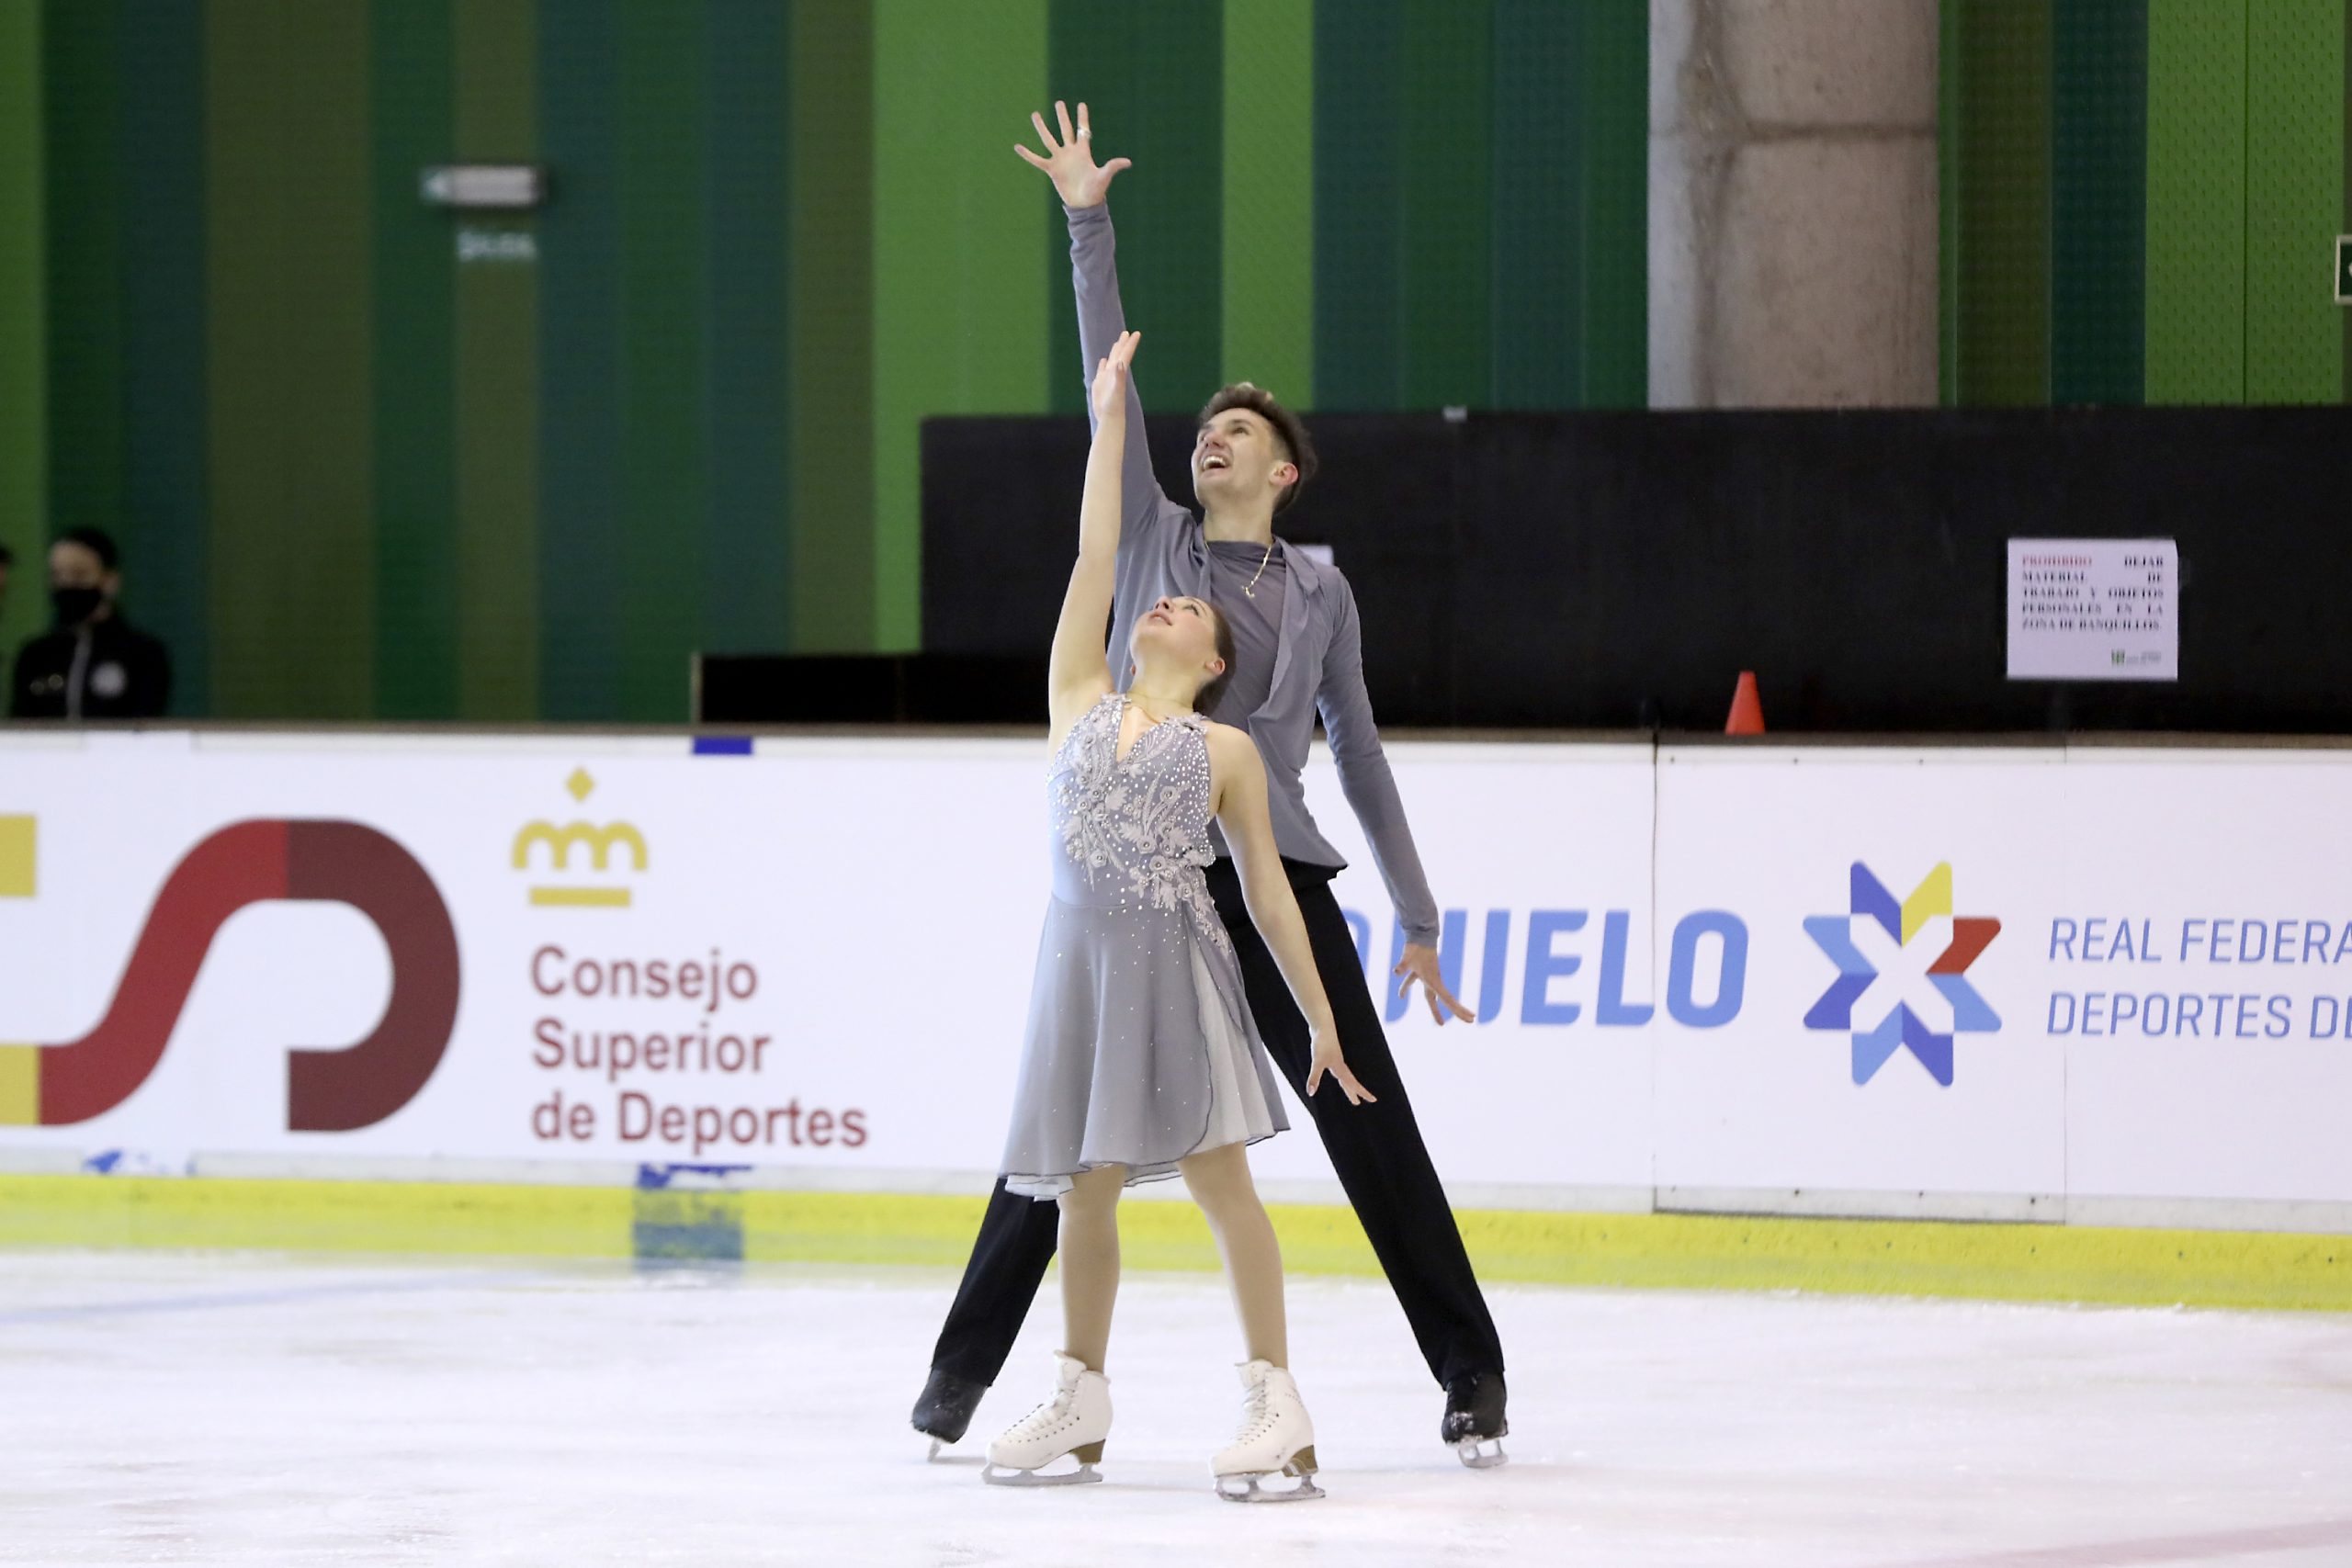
(1141, 1059)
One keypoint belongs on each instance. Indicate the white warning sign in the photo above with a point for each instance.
(2094, 610)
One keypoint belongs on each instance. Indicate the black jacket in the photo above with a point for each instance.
(114, 669)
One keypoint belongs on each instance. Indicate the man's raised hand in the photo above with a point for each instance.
(1070, 161)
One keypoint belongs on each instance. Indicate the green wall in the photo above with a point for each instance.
(2141, 199)
(24, 400)
(358, 474)
(371, 460)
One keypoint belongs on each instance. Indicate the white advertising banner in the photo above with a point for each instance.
(1540, 859)
(1839, 1064)
(816, 959)
(1982, 981)
(2112, 977)
(815, 956)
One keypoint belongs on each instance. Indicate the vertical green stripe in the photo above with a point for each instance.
(580, 410)
(165, 527)
(830, 447)
(495, 371)
(416, 575)
(1446, 174)
(665, 477)
(2196, 273)
(2294, 158)
(23, 361)
(2099, 200)
(1359, 66)
(1266, 223)
(747, 586)
(1615, 82)
(2004, 272)
(960, 269)
(1952, 128)
(80, 46)
(1154, 76)
(288, 366)
(1538, 152)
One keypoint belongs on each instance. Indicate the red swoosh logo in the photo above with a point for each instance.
(329, 1089)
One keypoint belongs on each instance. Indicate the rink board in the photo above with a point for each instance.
(2103, 986)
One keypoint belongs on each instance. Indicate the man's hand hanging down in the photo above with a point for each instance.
(1070, 161)
(1420, 963)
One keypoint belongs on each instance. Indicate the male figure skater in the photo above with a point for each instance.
(1298, 652)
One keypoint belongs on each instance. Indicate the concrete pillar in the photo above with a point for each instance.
(1793, 203)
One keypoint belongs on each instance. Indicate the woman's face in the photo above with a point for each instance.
(1178, 634)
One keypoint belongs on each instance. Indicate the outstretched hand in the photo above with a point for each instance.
(1110, 377)
(1070, 161)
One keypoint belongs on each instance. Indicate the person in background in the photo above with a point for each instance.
(93, 663)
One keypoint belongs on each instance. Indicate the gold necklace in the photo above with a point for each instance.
(1250, 589)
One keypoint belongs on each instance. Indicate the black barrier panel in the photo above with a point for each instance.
(1610, 570)
(876, 688)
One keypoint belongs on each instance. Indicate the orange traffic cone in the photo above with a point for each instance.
(1746, 709)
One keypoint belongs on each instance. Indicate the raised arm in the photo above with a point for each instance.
(1371, 788)
(1274, 908)
(1077, 674)
(1084, 188)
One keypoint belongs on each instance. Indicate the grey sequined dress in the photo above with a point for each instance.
(1140, 1047)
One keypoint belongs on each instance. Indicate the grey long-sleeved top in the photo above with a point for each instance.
(1319, 664)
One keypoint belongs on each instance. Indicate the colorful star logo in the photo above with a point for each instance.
(1901, 1027)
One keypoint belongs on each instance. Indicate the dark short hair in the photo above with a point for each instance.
(7, 556)
(1288, 430)
(1213, 687)
(97, 541)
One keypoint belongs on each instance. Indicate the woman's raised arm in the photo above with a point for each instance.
(1079, 674)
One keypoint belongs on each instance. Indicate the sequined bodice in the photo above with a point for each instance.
(1133, 831)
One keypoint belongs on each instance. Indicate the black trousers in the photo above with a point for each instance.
(1376, 1149)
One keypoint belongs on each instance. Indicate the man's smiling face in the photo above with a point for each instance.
(1237, 458)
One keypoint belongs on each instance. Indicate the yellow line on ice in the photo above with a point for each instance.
(2013, 1262)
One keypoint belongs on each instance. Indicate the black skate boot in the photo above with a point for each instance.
(945, 1408)
(1474, 1424)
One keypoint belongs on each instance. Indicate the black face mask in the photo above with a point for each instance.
(75, 605)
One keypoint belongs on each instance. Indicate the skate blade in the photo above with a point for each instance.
(1481, 1453)
(1245, 1488)
(932, 1457)
(1081, 1476)
(1248, 1491)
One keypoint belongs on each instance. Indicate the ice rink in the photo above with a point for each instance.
(181, 1409)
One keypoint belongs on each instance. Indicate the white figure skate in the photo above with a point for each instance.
(1276, 1437)
(1074, 1422)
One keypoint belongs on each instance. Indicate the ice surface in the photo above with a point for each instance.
(187, 1409)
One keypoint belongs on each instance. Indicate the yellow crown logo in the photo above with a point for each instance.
(599, 843)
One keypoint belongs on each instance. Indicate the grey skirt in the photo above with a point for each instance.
(1140, 1051)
